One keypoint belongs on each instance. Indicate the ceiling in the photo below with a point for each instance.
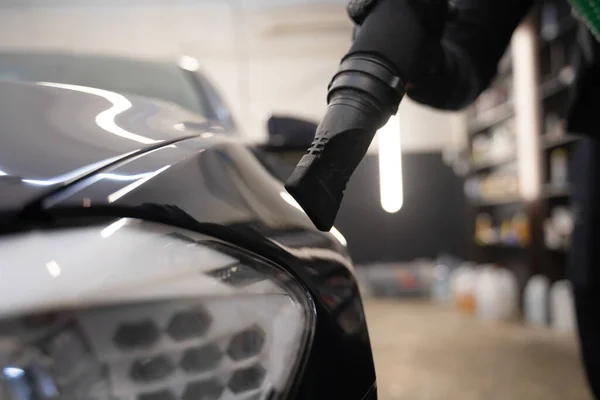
(170, 3)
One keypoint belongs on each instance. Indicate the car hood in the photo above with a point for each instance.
(52, 134)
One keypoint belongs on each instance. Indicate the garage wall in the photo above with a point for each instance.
(266, 56)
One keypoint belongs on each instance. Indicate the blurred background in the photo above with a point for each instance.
(459, 223)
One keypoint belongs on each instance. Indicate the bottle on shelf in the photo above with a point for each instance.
(521, 229)
(554, 126)
(558, 168)
(506, 232)
(558, 228)
(481, 148)
(484, 230)
(502, 142)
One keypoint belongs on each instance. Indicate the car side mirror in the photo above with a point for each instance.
(288, 140)
(289, 134)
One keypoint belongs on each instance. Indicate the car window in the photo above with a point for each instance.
(143, 78)
(212, 96)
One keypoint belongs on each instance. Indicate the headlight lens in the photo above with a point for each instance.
(144, 311)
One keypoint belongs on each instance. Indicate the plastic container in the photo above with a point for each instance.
(463, 282)
(509, 294)
(496, 294)
(441, 283)
(558, 167)
(535, 299)
(395, 279)
(440, 287)
(562, 307)
(487, 295)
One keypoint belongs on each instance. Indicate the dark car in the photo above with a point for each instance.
(180, 82)
(147, 256)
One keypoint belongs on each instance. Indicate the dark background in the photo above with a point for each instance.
(431, 221)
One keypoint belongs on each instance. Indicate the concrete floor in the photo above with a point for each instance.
(428, 352)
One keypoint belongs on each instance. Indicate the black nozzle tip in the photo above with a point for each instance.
(311, 193)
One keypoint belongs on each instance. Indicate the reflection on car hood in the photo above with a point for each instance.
(52, 134)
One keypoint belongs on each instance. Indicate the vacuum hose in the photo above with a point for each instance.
(362, 97)
(396, 40)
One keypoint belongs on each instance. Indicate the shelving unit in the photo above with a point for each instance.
(551, 191)
(489, 118)
(550, 143)
(492, 169)
(556, 75)
(482, 166)
(480, 203)
(504, 246)
(500, 111)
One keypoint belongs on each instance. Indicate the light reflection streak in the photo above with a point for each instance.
(76, 173)
(189, 63)
(106, 119)
(123, 191)
(291, 201)
(53, 268)
(112, 228)
(119, 177)
(338, 235)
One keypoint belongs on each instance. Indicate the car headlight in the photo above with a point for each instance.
(144, 311)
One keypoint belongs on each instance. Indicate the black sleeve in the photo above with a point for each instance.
(471, 48)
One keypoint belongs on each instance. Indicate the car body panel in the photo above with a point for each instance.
(208, 183)
(217, 182)
(213, 179)
(45, 145)
(134, 261)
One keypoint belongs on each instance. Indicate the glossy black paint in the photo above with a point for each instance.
(213, 184)
(45, 145)
(217, 180)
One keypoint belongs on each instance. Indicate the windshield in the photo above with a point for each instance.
(137, 77)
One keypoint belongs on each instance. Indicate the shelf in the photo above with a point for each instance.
(491, 117)
(553, 87)
(563, 250)
(486, 165)
(496, 202)
(513, 246)
(550, 143)
(551, 191)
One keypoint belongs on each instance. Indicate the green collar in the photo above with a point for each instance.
(588, 11)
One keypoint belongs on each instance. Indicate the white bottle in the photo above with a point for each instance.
(462, 283)
(558, 167)
(440, 288)
(536, 300)
(508, 294)
(562, 307)
(487, 294)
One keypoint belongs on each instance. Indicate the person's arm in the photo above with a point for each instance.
(472, 45)
(402, 47)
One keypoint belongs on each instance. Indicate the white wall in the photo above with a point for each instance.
(264, 59)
